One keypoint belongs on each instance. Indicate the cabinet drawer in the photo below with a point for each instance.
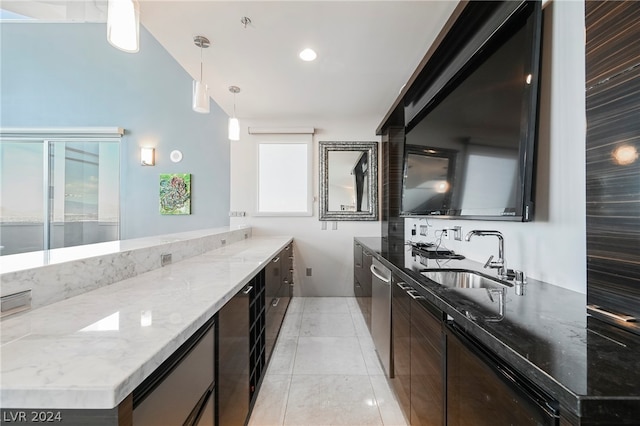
(173, 399)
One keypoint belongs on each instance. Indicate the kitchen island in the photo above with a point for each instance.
(91, 351)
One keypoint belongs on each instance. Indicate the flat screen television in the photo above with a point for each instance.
(470, 142)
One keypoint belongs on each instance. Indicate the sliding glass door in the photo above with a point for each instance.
(22, 199)
(58, 193)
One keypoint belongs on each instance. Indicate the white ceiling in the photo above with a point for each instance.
(366, 51)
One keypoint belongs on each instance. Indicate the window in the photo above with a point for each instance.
(58, 192)
(284, 179)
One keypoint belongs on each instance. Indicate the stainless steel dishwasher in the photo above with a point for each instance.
(381, 313)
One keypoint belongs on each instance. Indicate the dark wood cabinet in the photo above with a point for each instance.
(241, 352)
(278, 292)
(417, 356)
(427, 365)
(273, 314)
(612, 166)
(181, 390)
(248, 326)
(482, 390)
(362, 260)
(401, 343)
(287, 274)
(392, 161)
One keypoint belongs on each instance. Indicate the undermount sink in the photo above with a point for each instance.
(462, 278)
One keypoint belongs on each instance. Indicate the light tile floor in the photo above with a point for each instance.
(324, 370)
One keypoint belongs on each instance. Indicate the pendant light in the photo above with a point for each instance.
(234, 124)
(123, 25)
(200, 102)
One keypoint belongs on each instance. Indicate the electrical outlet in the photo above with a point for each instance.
(423, 230)
(237, 214)
(457, 233)
(165, 259)
(445, 234)
(308, 272)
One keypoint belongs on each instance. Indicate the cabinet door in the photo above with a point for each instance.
(427, 365)
(401, 334)
(483, 391)
(275, 316)
(273, 278)
(273, 281)
(233, 360)
(365, 283)
(287, 274)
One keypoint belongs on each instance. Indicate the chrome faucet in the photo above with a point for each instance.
(494, 264)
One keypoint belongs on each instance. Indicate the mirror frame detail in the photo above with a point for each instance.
(369, 148)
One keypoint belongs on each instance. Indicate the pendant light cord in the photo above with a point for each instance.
(200, 62)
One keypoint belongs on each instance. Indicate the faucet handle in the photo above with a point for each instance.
(520, 276)
(488, 264)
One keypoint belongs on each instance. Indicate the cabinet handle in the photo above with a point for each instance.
(276, 260)
(248, 289)
(366, 253)
(403, 285)
(372, 268)
(414, 295)
(275, 302)
(286, 281)
(614, 315)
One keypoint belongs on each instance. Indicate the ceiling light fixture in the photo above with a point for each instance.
(308, 55)
(200, 102)
(234, 124)
(123, 25)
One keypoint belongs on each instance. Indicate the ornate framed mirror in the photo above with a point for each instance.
(348, 181)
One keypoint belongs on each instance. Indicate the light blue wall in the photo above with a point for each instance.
(67, 75)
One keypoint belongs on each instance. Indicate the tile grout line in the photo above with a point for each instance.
(293, 362)
(293, 366)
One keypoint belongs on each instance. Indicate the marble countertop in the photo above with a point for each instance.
(36, 259)
(591, 368)
(92, 350)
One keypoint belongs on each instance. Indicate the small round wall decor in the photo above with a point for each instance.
(176, 156)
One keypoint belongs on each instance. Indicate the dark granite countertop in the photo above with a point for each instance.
(591, 368)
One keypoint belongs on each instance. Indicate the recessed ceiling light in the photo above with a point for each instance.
(308, 55)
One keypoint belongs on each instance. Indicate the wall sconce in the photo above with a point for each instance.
(147, 157)
(123, 25)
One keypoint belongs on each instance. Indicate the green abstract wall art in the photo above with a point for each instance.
(175, 193)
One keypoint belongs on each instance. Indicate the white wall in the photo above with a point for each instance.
(329, 253)
(553, 247)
